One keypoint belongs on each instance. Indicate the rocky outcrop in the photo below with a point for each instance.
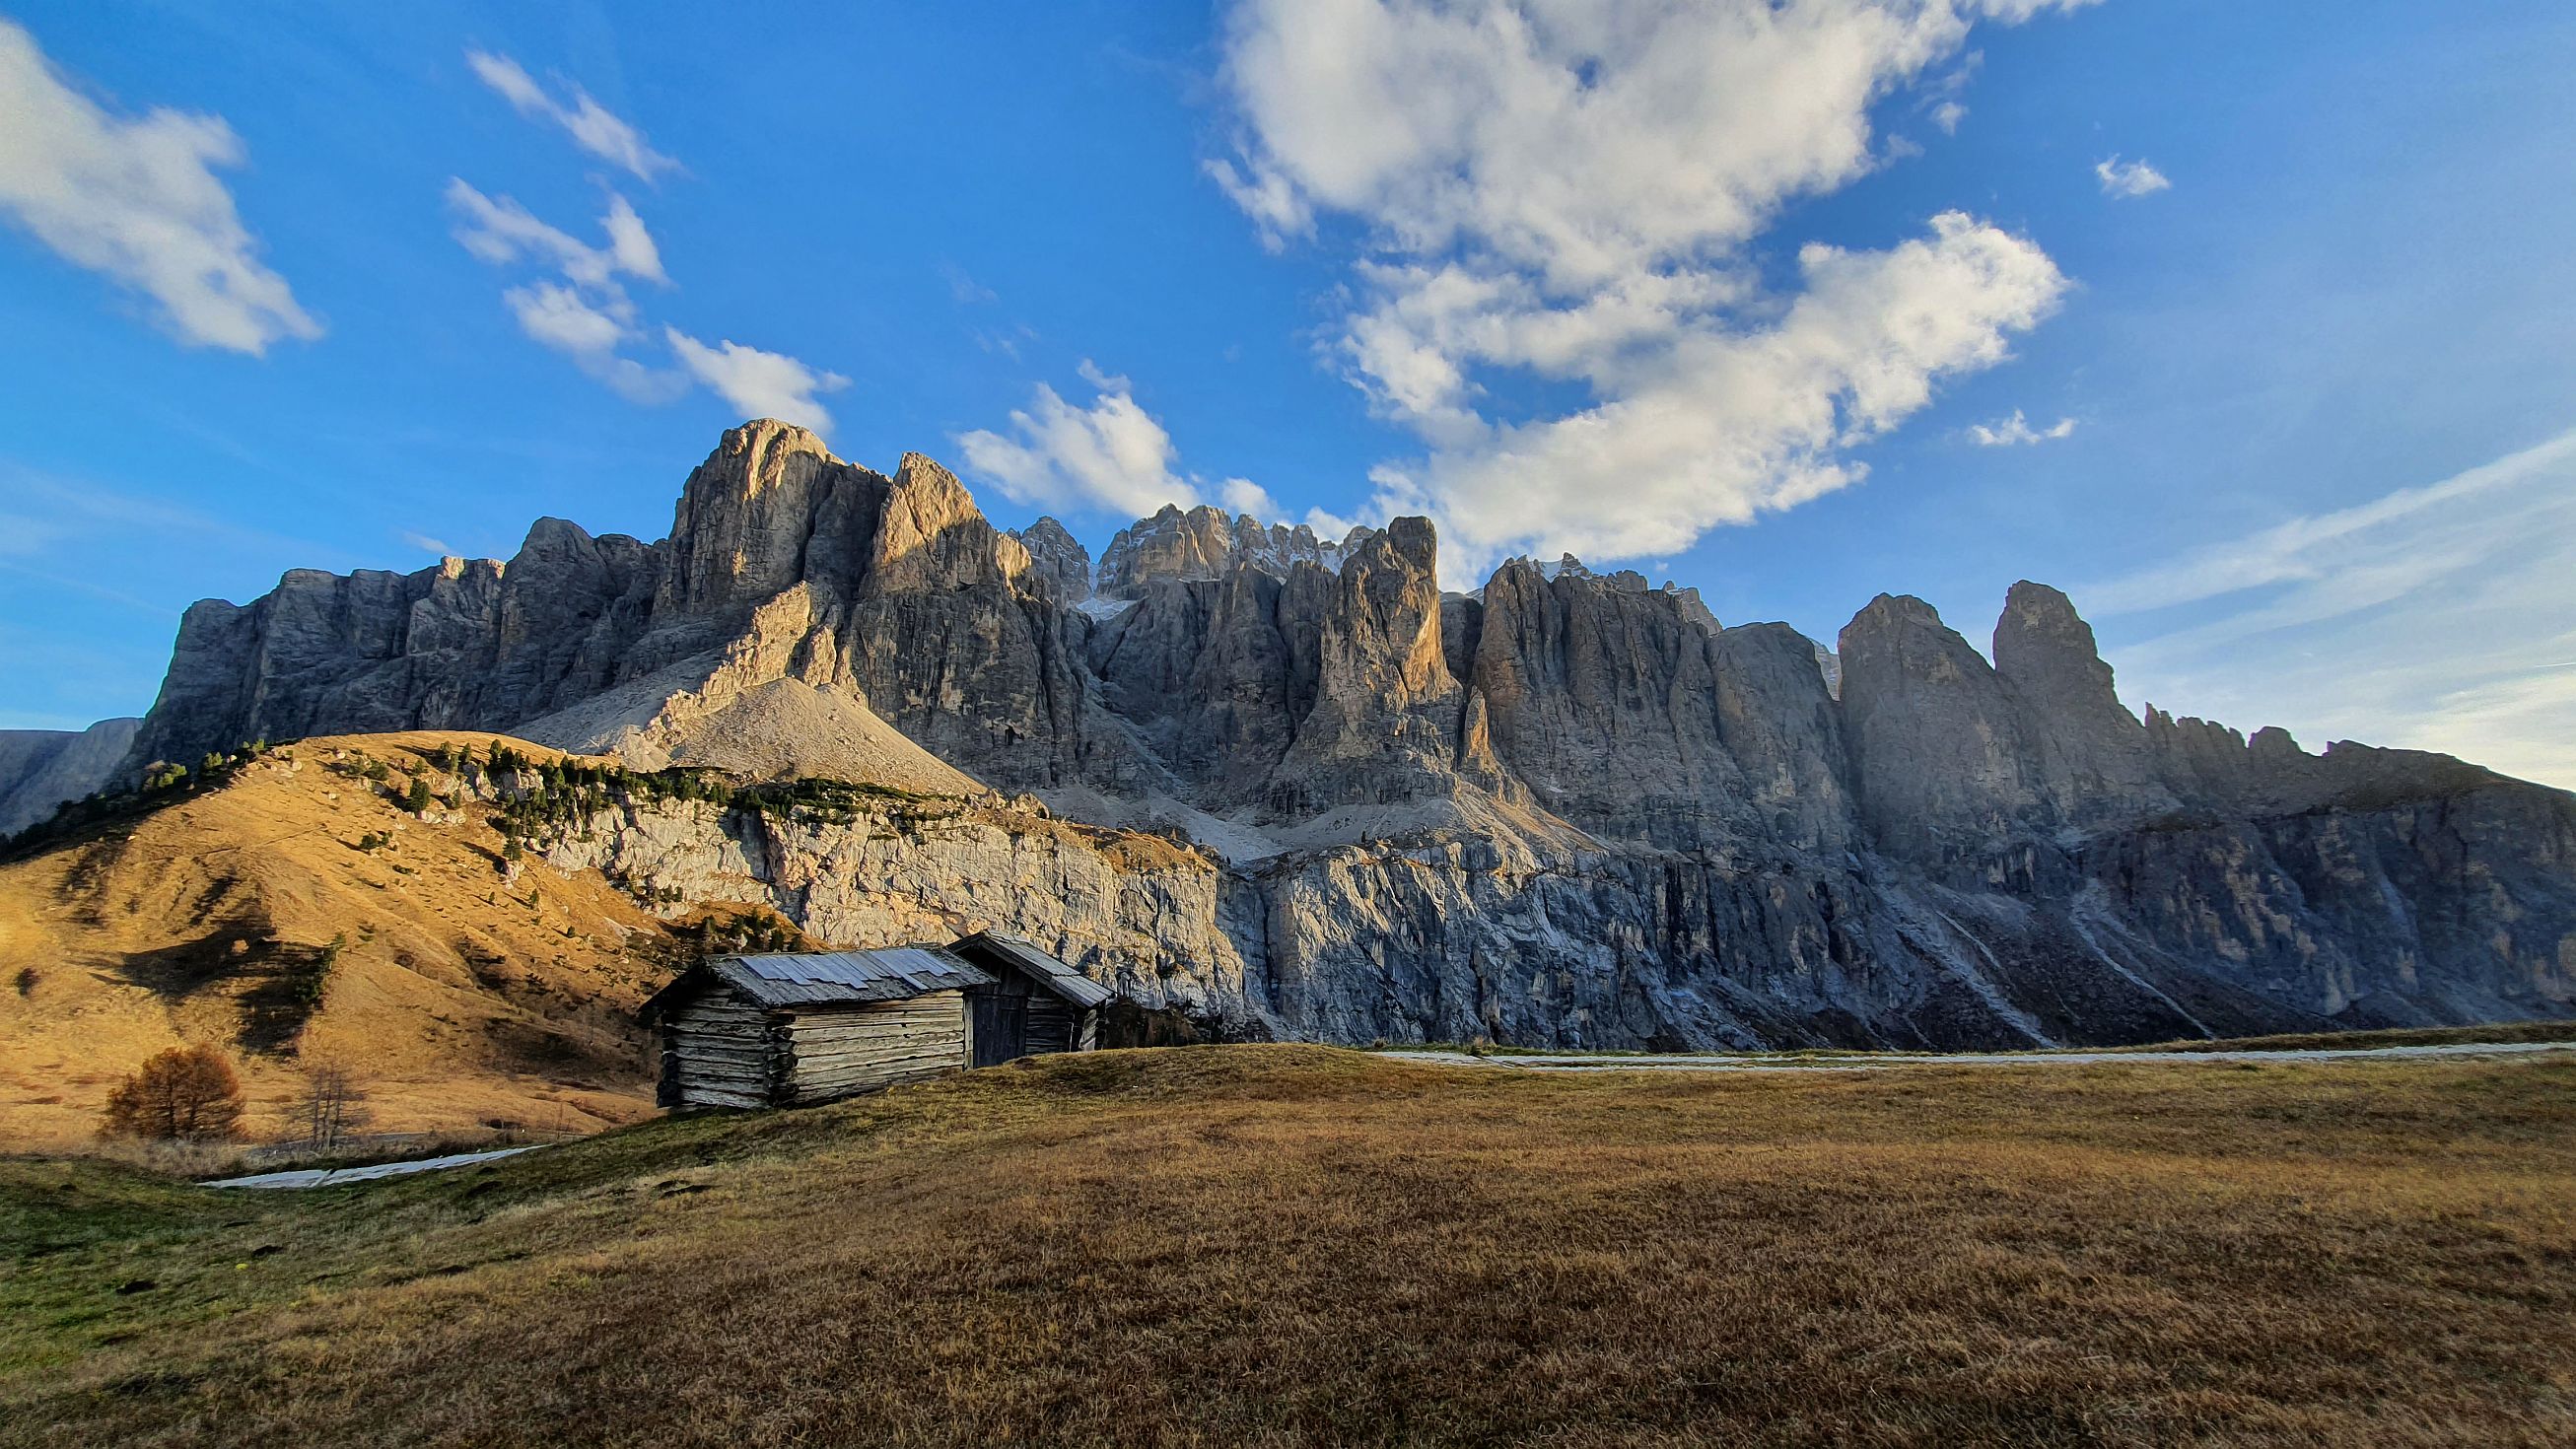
(41, 769)
(1059, 558)
(2089, 754)
(1385, 724)
(1140, 914)
(1201, 544)
(1565, 808)
(1602, 697)
(1212, 676)
(1940, 764)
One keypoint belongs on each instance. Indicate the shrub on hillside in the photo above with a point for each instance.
(185, 1094)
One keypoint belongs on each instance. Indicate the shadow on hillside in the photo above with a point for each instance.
(287, 991)
(565, 1052)
(280, 982)
(180, 971)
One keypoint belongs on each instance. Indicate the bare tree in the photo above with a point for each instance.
(330, 1106)
(185, 1094)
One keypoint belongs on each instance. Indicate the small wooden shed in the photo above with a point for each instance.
(1036, 1003)
(788, 1029)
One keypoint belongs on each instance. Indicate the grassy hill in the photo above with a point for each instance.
(287, 908)
(1291, 1245)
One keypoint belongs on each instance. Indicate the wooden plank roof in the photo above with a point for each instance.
(1049, 972)
(828, 978)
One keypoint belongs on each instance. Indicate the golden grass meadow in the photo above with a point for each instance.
(1297, 1245)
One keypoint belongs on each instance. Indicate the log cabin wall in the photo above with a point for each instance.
(828, 1052)
(718, 1051)
(1051, 1021)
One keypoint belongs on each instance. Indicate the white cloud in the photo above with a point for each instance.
(1242, 495)
(563, 319)
(1112, 455)
(2016, 431)
(630, 246)
(1726, 424)
(589, 317)
(2436, 617)
(1566, 189)
(1329, 525)
(592, 126)
(501, 231)
(593, 334)
(135, 199)
(427, 544)
(757, 383)
(1270, 199)
(2129, 179)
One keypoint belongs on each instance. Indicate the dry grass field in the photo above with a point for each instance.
(1289, 1245)
(464, 1000)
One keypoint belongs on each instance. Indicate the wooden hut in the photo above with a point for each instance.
(789, 1029)
(1036, 1004)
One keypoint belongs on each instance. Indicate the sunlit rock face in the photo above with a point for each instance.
(1567, 808)
(1202, 544)
(1058, 557)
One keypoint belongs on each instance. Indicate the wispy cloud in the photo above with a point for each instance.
(2437, 617)
(427, 544)
(136, 199)
(2126, 179)
(588, 316)
(501, 231)
(592, 126)
(585, 312)
(964, 288)
(54, 528)
(2016, 432)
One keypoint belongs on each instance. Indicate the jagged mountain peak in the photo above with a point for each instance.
(1204, 543)
(1886, 614)
(1058, 557)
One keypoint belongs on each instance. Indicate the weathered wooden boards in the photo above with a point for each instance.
(1050, 1024)
(840, 1050)
(717, 1053)
(723, 1053)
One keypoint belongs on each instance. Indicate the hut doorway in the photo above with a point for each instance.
(1001, 1021)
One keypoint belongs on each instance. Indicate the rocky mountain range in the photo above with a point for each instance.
(1565, 808)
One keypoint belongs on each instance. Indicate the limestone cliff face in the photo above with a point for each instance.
(1783, 727)
(1138, 913)
(2089, 753)
(1602, 696)
(1201, 544)
(1210, 673)
(1940, 762)
(1058, 557)
(1568, 808)
(1385, 724)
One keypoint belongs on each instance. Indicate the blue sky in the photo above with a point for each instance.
(1723, 293)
